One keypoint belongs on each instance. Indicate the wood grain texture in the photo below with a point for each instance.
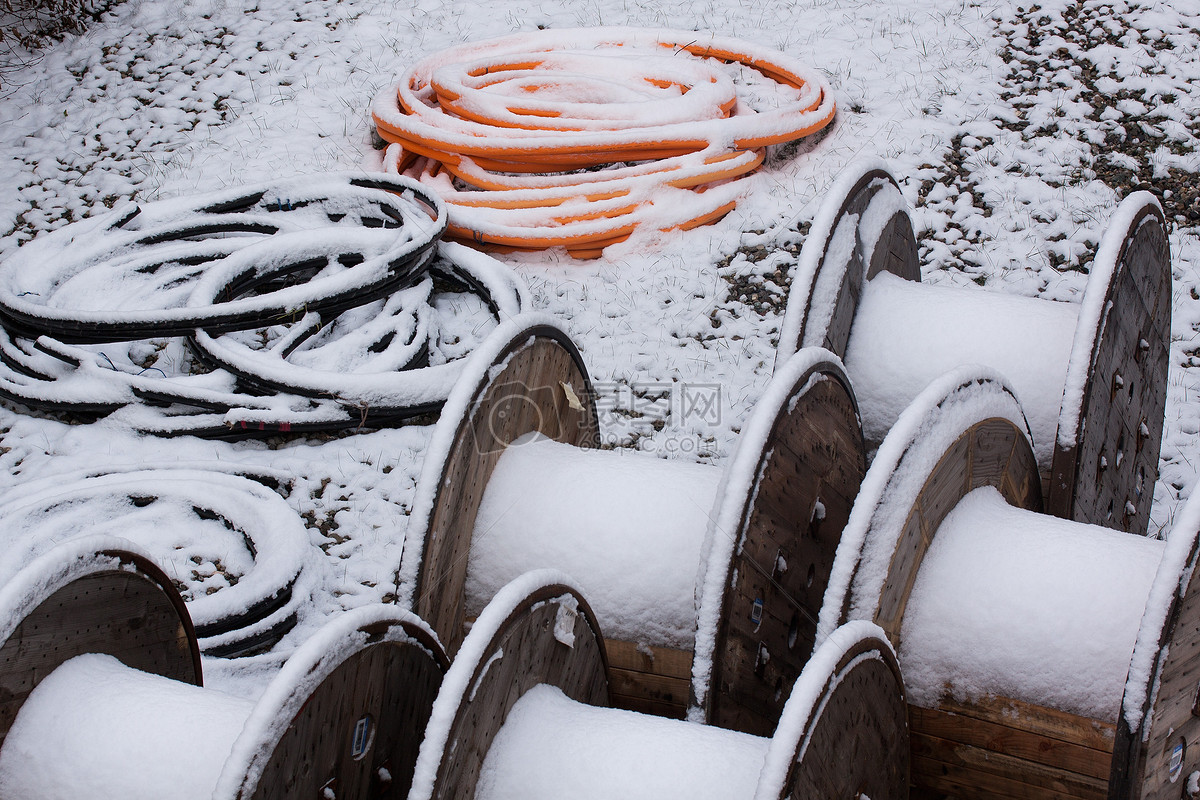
(808, 474)
(391, 685)
(856, 741)
(652, 680)
(128, 610)
(1107, 477)
(992, 452)
(1142, 755)
(526, 395)
(523, 653)
(1002, 747)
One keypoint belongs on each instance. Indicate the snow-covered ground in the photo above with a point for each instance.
(1014, 130)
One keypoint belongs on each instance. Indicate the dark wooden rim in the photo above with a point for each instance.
(990, 451)
(895, 252)
(146, 634)
(461, 501)
(773, 514)
(1108, 415)
(859, 736)
(1162, 685)
(481, 709)
(288, 696)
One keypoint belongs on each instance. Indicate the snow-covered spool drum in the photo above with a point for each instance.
(1043, 657)
(520, 715)
(103, 694)
(1091, 376)
(513, 482)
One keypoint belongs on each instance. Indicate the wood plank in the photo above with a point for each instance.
(1048, 722)
(968, 784)
(652, 707)
(672, 692)
(1011, 741)
(1031, 773)
(664, 661)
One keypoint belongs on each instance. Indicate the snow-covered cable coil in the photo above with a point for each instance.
(576, 137)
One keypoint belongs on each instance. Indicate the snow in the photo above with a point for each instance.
(1003, 127)
(627, 526)
(553, 747)
(1029, 606)
(98, 714)
(906, 334)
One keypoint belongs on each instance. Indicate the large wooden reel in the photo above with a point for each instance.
(528, 376)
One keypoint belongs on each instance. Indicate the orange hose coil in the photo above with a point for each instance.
(574, 138)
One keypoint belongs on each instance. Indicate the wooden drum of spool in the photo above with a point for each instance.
(513, 482)
(520, 716)
(101, 681)
(1043, 658)
(1091, 376)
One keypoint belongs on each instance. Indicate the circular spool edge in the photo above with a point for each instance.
(526, 376)
(518, 642)
(1160, 709)
(856, 186)
(1103, 416)
(339, 677)
(95, 565)
(785, 497)
(844, 730)
(964, 431)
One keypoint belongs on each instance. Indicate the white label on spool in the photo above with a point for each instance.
(564, 625)
(1176, 764)
(363, 737)
(572, 398)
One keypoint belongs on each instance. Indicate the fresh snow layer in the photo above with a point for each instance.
(907, 334)
(98, 729)
(628, 527)
(1029, 606)
(551, 747)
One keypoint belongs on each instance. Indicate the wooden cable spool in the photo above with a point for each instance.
(757, 559)
(519, 716)
(1015, 629)
(1092, 376)
(103, 696)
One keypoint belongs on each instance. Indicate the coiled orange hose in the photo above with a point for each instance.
(575, 138)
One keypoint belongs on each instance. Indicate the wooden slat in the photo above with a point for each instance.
(968, 784)
(1048, 722)
(648, 658)
(1010, 740)
(671, 692)
(942, 757)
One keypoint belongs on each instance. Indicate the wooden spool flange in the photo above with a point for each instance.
(767, 552)
(93, 595)
(956, 438)
(344, 714)
(526, 376)
(843, 732)
(537, 630)
(1099, 446)
(246, 617)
